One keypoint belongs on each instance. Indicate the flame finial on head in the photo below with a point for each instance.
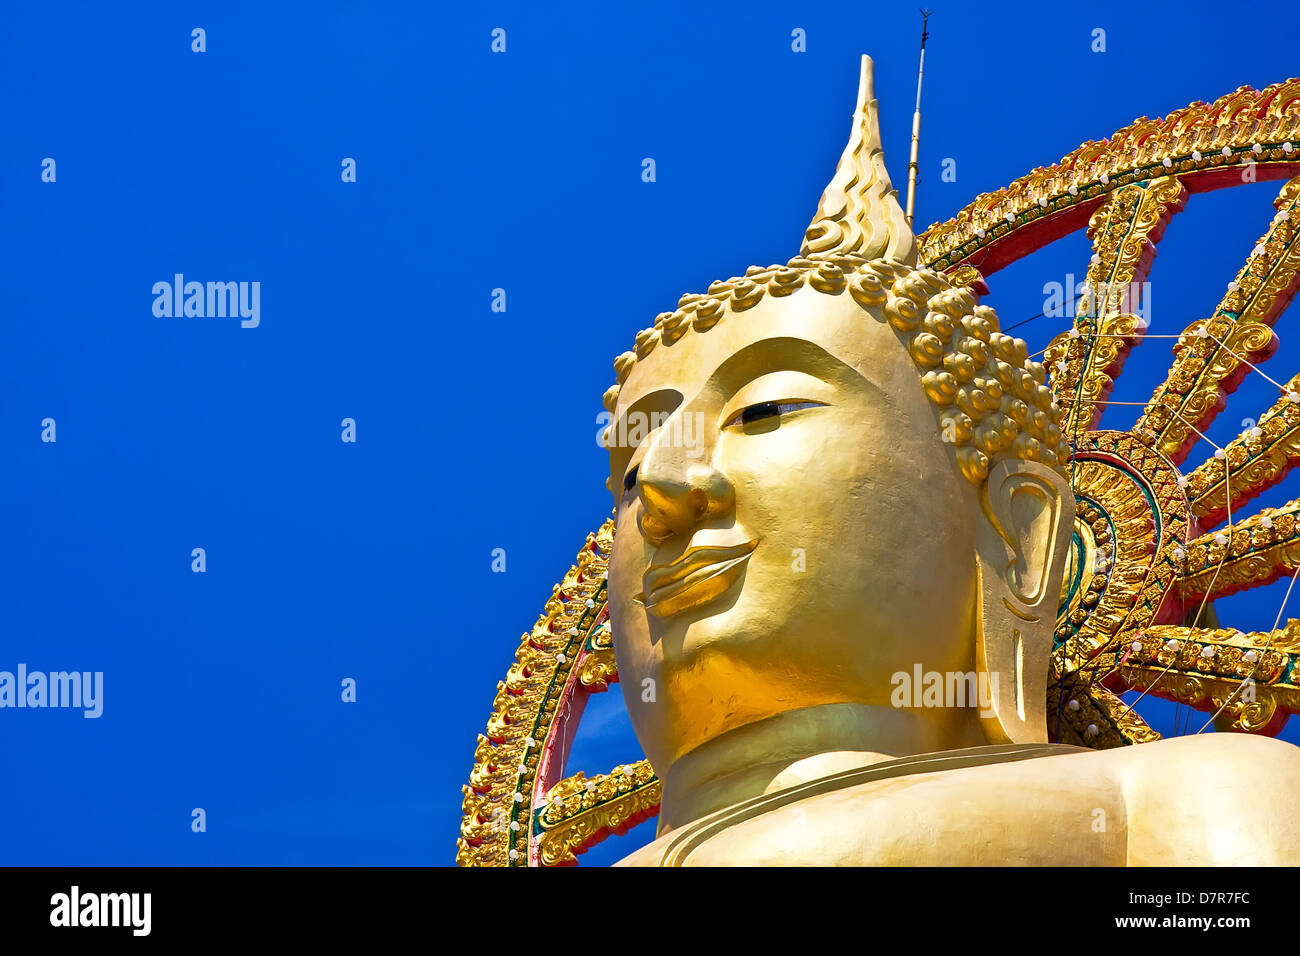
(859, 211)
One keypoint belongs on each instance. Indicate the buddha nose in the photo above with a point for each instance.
(678, 492)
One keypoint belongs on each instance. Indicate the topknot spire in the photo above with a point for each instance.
(859, 211)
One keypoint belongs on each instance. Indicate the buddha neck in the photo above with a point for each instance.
(803, 745)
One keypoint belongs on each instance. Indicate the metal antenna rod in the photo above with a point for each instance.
(916, 120)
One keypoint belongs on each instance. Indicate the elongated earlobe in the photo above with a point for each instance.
(1022, 546)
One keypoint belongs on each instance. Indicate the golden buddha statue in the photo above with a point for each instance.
(822, 536)
(859, 616)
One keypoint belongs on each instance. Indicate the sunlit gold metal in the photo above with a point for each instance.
(922, 507)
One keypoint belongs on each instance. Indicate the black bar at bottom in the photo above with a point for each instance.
(643, 908)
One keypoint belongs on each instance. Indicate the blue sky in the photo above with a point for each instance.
(475, 430)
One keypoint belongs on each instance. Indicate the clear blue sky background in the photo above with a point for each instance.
(476, 430)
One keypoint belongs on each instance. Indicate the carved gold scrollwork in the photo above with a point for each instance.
(1208, 359)
(1243, 678)
(580, 812)
(1087, 714)
(1117, 479)
(1253, 462)
(1124, 232)
(1188, 143)
(500, 791)
(1251, 553)
(598, 669)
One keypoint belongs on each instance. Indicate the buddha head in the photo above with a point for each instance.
(842, 470)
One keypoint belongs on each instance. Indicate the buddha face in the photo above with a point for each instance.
(793, 532)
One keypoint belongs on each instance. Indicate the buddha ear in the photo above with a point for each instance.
(1021, 550)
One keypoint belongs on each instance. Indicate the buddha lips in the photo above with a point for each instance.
(699, 576)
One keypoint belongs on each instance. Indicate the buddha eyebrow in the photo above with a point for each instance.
(783, 354)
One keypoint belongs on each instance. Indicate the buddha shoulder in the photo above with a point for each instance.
(1217, 799)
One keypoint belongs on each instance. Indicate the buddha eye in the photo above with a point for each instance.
(629, 480)
(765, 410)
